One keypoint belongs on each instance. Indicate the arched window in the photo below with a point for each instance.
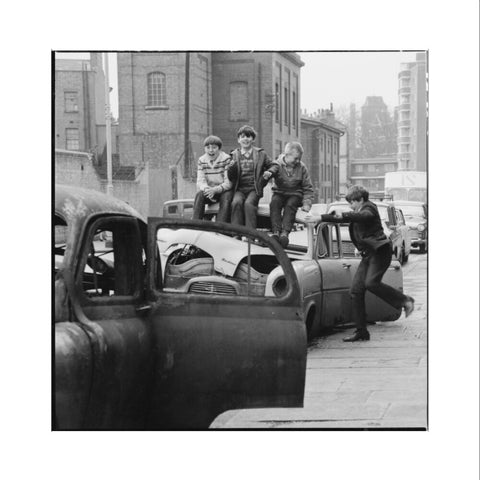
(156, 88)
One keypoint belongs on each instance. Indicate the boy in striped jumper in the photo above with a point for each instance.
(212, 181)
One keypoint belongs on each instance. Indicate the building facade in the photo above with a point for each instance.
(412, 115)
(170, 101)
(321, 142)
(80, 105)
(370, 172)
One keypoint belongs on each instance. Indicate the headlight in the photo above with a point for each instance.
(421, 227)
(279, 287)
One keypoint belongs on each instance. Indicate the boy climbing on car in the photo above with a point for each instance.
(292, 188)
(212, 180)
(246, 171)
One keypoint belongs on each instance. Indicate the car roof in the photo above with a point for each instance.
(73, 201)
(407, 202)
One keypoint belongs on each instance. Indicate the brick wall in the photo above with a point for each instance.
(76, 168)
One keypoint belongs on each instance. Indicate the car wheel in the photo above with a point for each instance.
(422, 249)
(309, 323)
(405, 258)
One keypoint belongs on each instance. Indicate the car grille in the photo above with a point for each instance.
(212, 288)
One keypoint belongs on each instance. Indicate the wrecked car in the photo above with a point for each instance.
(137, 348)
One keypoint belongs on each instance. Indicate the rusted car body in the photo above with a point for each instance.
(322, 255)
(132, 354)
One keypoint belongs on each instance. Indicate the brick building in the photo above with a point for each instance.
(370, 172)
(170, 101)
(321, 141)
(80, 105)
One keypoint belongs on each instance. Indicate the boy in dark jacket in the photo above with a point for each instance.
(292, 189)
(367, 234)
(246, 174)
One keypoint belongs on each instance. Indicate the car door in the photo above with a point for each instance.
(220, 344)
(336, 275)
(103, 355)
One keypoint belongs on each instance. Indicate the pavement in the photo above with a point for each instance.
(362, 385)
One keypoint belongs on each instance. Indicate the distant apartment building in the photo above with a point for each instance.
(80, 105)
(412, 115)
(370, 172)
(321, 141)
(170, 101)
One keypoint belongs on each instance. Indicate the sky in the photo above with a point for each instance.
(340, 78)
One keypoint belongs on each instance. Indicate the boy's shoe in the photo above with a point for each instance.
(409, 306)
(358, 335)
(284, 239)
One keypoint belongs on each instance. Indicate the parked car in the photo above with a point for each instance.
(133, 352)
(416, 218)
(393, 225)
(323, 260)
(178, 208)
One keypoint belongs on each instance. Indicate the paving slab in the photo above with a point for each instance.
(363, 385)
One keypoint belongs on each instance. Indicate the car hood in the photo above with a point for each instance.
(414, 223)
(227, 252)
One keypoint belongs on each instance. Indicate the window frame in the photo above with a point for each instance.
(156, 90)
(69, 139)
(76, 104)
(244, 115)
(136, 249)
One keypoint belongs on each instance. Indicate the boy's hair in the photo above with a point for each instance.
(294, 146)
(356, 193)
(248, 131)
(213, 140)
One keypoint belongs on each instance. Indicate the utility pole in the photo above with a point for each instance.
(108, 128)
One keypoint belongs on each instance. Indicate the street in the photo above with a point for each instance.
(377, 384)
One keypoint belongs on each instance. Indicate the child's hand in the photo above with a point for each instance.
(267, 175)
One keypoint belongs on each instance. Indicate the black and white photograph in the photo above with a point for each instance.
(234, 250)
(247, 222)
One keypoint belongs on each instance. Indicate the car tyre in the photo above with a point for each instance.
(423, 249)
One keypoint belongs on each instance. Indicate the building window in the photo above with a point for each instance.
(277, 102)
(72, 139)
(371, 168)
(286, 104)
(358, 168)
(328, 172)
(238, 101)
(328, 145)
(294, 112)
(156, 88)
(321, 144)
(335, 147)
(71, 101)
